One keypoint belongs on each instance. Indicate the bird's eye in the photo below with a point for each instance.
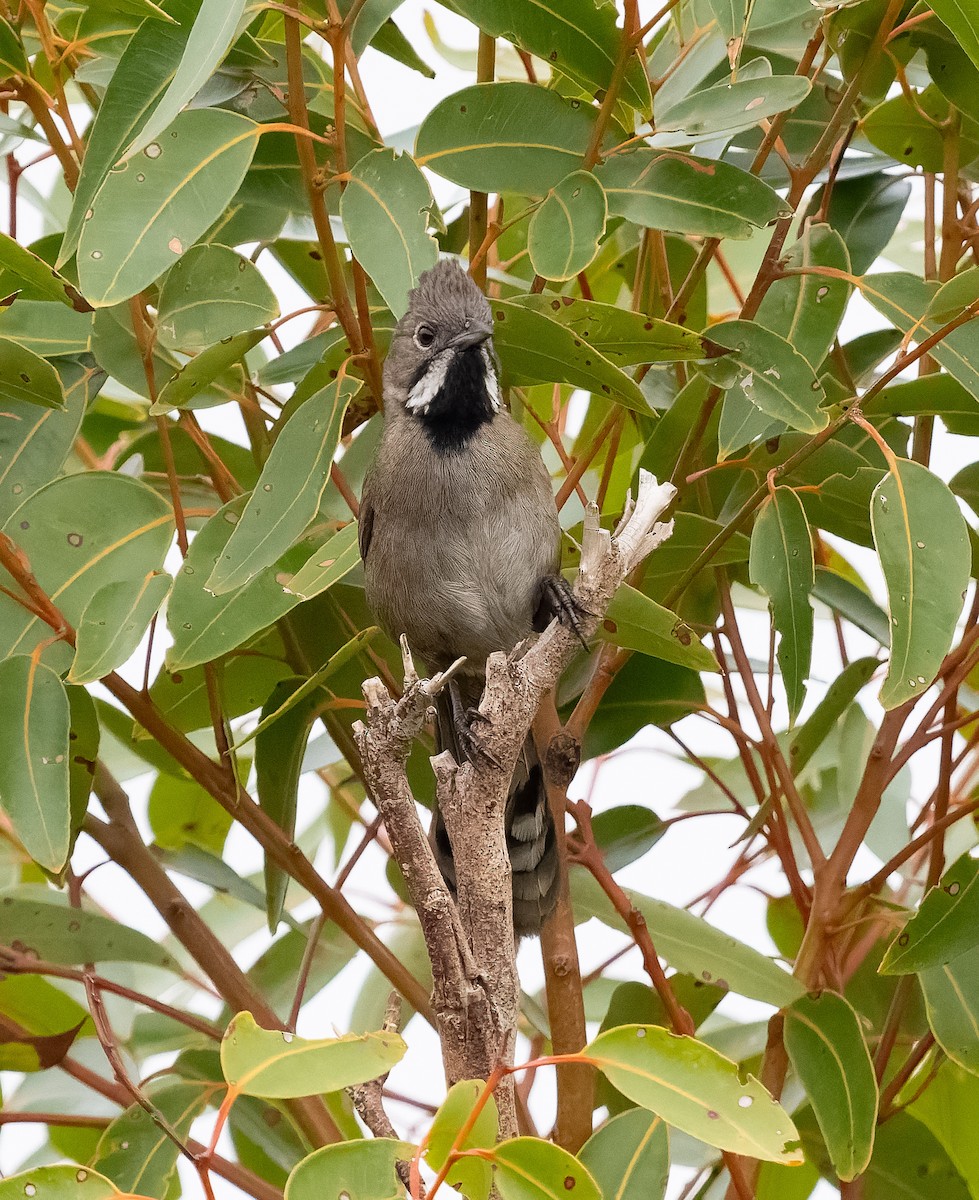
(424, 336)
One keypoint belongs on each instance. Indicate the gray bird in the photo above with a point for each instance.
(460, 540)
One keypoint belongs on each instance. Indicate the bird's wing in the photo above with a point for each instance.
(365, 526)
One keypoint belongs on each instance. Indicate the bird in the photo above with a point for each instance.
(461, 545)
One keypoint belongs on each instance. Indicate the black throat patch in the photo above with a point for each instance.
(461, 405)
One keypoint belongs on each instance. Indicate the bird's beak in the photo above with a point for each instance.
(476, 334)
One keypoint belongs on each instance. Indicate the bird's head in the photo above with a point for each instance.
(441, 367)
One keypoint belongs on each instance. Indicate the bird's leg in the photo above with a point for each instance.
(556, 599)
(469, 742)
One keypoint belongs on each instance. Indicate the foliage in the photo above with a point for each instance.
(733, 244)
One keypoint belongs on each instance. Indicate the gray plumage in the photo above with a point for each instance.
(459, 531)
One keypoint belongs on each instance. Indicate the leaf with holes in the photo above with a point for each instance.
(944, 925)
(629, 1156)
(327, 565)
(362, 1170)
(81, 533)
(565, 231)
(113, 625)
(781, 564)
(40, 277)
(60, 1183)
(277, 1065)
(828, 1053)
(664, 190)
(384, 209)
(512, 137)
(730, 108)
(211, 294)
(209, 38)
(26, 378)
(287, 495)
(926, 572)
(696, 1089)
(34, 442)
(527, 1168)
(774, 376)
(184, 388)
(34, 758)
(153, 207)
(638, 623)
(135, 1153)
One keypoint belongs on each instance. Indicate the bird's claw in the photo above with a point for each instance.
(471, 745)
(558, 600)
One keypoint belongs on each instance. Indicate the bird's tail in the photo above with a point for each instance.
(530, 834)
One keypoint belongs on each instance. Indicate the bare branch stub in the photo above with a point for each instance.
(470, 940)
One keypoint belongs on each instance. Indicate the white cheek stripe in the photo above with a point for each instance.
(428, 387)
(492, 384)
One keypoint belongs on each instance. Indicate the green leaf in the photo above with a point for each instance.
(921, 538)
(206, 626)
(279, 751)
(363, 1170)
(46, 328)
(629, 1156)
(384, 209)
(696, 1089)
(113, 624)
(663, 190)
(908, 130)
(287, 495)
(638, 623)
(60, 934)
(625, 833)
(84, 738)
(775, 377)
(690, 944)
(565, 231)
(806, 310)
(624, 337)
(827, 1050)
(25, 377)
(181, 813)
(904, 299)
(327, 565)
(910, 1163)
(153, 207)
(185, 387)
(58, 1183)
(135, 1153)
(527, 1168)
(944, 925)
(212, 33)
(865, 211)
(472, 1176)
(636, 700)
(955, 295)
(41, 278)
(852, 603)
(951, 994)
(81, 533)
(579, 38)
(12, 54)
(34, 442)
(34, 758)
(945, 1107)
(535, 349)
(142, 76)
(514, 137)
(839, 696)
(732, 107)
(210, 294)
(277, 1065)
(781, 564)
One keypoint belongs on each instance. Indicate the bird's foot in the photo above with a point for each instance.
(556, 599)
(471, 745)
